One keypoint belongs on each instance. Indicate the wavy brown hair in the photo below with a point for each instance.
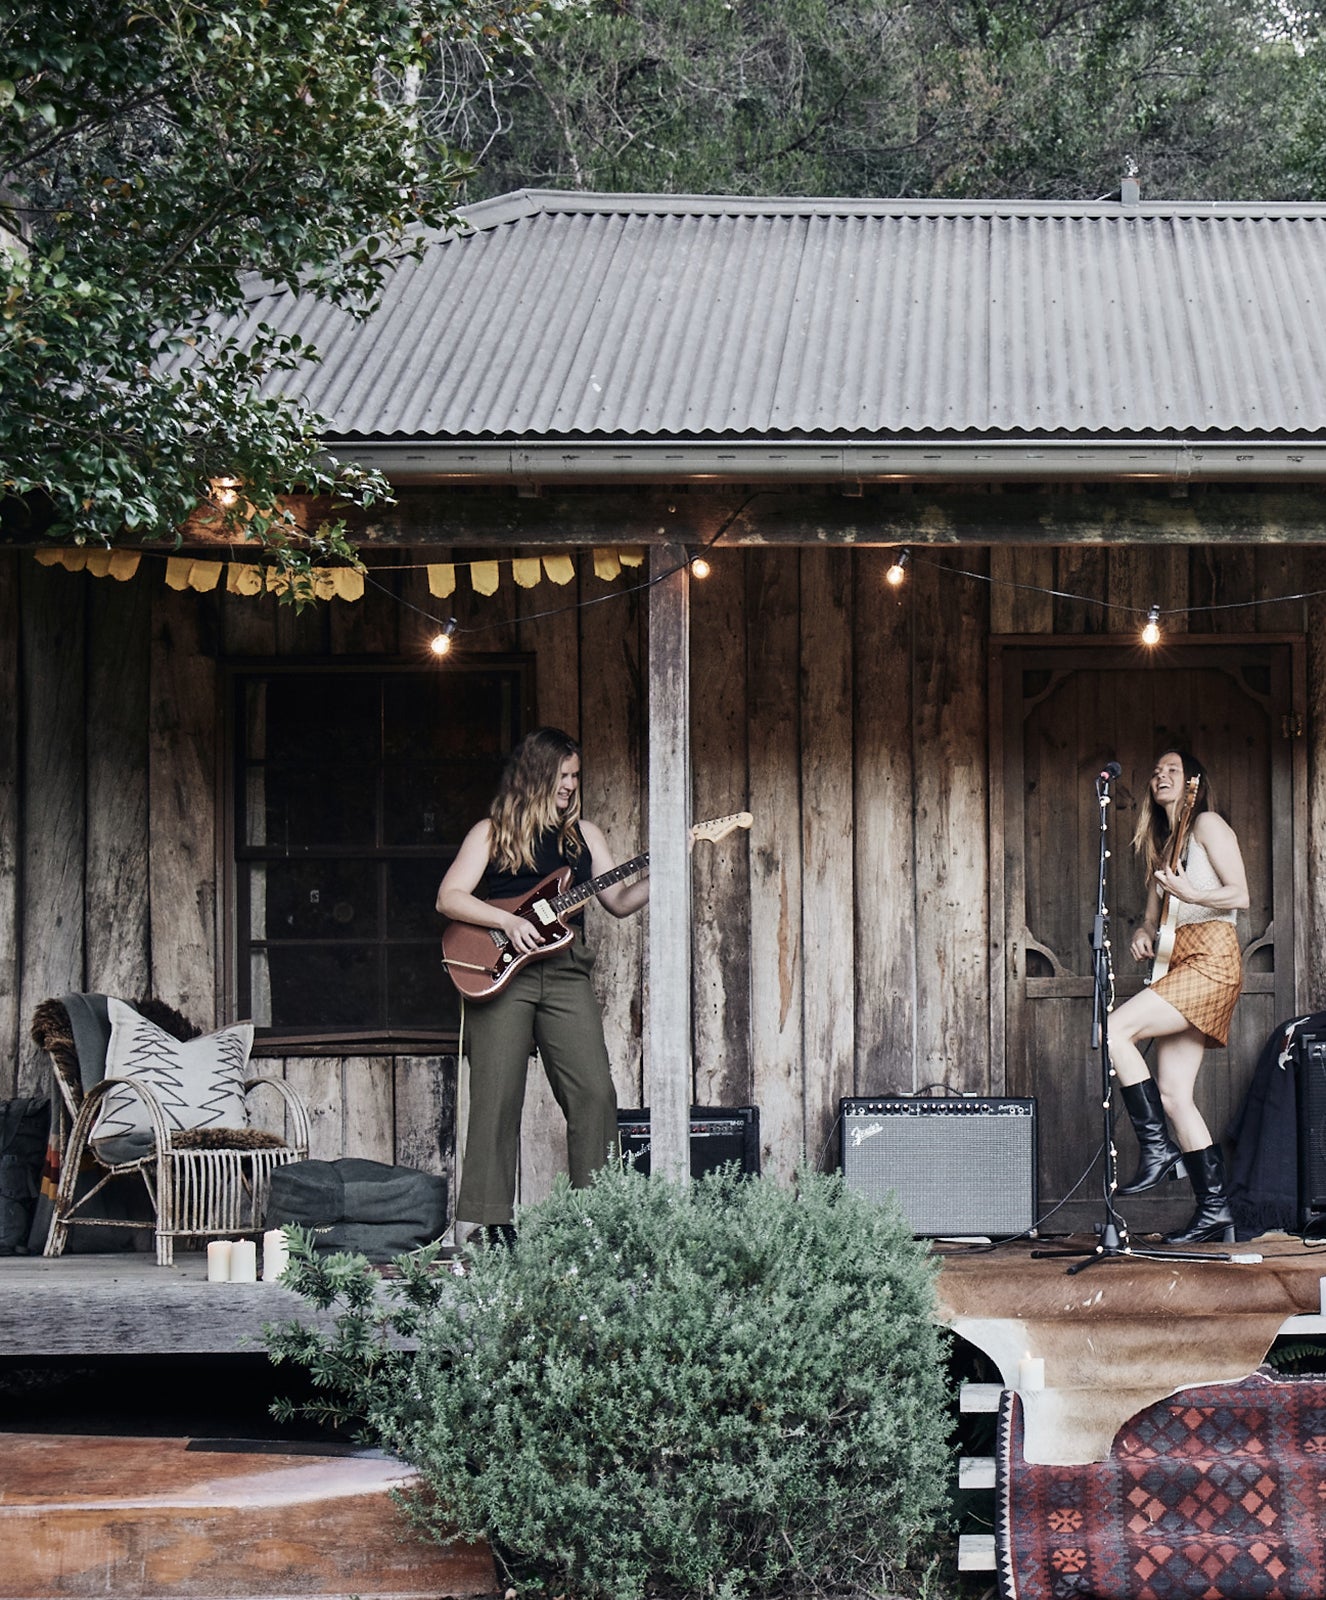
(1152, 835)
(525, 805)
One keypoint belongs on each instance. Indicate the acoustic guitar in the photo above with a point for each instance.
(481, 961)
(1169, 906)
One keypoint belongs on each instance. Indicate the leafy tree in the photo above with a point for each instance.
(959, 98)
(153, 156)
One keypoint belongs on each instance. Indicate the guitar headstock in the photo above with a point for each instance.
(719, 827)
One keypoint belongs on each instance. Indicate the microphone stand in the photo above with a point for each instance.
(1112, 1242)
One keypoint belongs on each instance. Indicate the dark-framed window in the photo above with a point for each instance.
(353, 786)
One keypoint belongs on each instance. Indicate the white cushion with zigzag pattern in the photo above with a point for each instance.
(199, 1083)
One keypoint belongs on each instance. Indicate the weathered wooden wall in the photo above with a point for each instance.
(845, 945)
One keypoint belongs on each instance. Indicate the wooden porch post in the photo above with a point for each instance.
(668, 1041)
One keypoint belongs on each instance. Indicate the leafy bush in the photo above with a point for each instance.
(725, 1387)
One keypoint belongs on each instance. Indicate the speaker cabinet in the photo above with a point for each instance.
(1310, 1050)
(960, 1167)
(718, 1135)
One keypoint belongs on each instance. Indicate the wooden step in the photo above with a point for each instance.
(147, 1519)
(976, 1552)
(976, 1472)
(982, 1397)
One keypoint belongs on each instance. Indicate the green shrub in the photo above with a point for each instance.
(723, 1387)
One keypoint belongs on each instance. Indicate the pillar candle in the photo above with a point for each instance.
(275, 1254)
(218, 1260)
(1031, 1372)
(244, 1262)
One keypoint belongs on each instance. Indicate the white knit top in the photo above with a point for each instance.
(1203, 877)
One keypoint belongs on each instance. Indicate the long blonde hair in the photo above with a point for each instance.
(525, 805)
(1152, 834)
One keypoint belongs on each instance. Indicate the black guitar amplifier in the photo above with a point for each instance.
(718, 1135)
(1310, 1065)
(961, 1167)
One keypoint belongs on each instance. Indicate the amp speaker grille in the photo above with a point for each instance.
(959, 1167)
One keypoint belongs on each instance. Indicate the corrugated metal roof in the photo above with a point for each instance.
(574, 316)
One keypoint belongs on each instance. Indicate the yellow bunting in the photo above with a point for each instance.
(178, 569)
(560, 569)
(525, 570)
(244, 577)
(204, 576)
(50, 558)
(324, 583)
(98, 563)
(606, 565)
(441, 579)
(632, 557)
(483, 575)
(123, 564)
(275, 582)
(349, 583)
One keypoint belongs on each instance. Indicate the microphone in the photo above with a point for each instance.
(1111, 769)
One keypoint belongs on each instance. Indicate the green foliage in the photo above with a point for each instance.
(728, 1387)
(153, 158)
(1218, 99)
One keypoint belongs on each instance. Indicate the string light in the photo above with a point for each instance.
(898, 570)
(225, 492)
(440, 643)
(700, 568)
(1151, 632)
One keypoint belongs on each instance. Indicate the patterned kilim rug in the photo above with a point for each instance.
(1217, 1493)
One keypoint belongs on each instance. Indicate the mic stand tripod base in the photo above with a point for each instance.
(1113, 1244)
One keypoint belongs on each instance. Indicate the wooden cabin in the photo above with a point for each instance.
(1067, 415)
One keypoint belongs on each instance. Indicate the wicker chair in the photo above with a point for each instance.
(204, 1182)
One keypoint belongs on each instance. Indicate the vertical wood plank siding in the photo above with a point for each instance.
(844, 946)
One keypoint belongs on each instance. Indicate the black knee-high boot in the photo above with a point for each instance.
(1213, 1219)
(1158, 1156)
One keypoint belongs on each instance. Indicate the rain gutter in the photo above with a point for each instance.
(886, 461)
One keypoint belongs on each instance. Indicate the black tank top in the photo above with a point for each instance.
(500, 885)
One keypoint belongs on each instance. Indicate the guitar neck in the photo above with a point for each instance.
(578, 893)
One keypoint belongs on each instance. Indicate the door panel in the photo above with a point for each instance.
(1067, 711)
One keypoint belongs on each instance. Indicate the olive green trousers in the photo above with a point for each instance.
(550, 1005)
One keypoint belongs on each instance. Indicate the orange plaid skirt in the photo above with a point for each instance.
(1205, 976)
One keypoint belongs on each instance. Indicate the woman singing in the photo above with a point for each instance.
(533, 828)
(1191, 1005)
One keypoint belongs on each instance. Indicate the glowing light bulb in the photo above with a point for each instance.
(440, 643)
(1151, 632)
(898, 570)
(225, 491)
(700, 568)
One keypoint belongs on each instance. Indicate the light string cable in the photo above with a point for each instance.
(1110, 605)
(575, 605)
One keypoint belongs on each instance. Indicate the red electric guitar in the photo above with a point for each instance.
(481, 961)
(1169, 906)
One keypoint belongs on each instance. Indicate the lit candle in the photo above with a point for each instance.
(1031, 1373)
(275, 1254)
(218, 1261)
(244, 1261)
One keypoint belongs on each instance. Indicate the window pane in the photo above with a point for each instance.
(420, 993)
(314, 900)
(412, 898)
(307, 806)
(436, 805)
(331, 989)
(439, 716)
(310, 716)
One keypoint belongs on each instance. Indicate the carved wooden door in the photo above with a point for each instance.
(1066, 711)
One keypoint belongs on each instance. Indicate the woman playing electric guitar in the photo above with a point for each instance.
(1189, 1005)
(533, 828)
